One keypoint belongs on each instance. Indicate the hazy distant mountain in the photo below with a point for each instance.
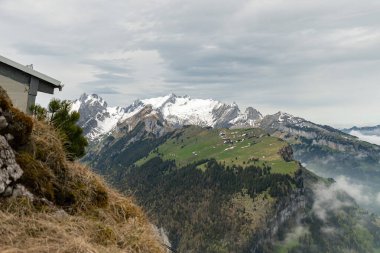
(369, 134)
(374, 130)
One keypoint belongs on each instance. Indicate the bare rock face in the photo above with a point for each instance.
(162, 235)
(3, 122)
(10, 171)
(153, 121)
(224, 114)
(287, 153)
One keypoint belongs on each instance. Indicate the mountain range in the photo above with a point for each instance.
(327, 151)
(98, 118)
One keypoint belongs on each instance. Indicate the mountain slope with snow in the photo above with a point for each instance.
(98, 119)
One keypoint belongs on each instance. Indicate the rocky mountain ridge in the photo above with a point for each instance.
(99, 119)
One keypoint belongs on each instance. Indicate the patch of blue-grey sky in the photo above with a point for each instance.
(316, 59)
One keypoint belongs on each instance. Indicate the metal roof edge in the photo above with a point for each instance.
(48, 79)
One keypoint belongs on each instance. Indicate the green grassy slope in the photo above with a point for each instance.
(231, 147)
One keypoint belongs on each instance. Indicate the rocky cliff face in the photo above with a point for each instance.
(153, 122)
(10, 171)
(224, 114)
(288, 209)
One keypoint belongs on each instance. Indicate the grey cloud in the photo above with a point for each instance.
(107, 79)
(266, 54)
(328, 198)
(111, 66)
(375, 139)
(104, 90)
(34, 48)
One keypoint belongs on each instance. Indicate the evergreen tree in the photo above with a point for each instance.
(39, 112)
(60, 116)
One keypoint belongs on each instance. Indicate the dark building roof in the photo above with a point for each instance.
(46, 80)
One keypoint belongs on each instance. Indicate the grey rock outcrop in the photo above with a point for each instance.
(152, 120)
(10, 171)
(287, 153)
(3, 122)
(91, 109)
(95, 114)
(224, 114)
(163, 237)
(253, 114)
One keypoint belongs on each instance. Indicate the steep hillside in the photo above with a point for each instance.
(329, 152)
(199, 183)
(49, 204)
(238, 147)
(230, 190)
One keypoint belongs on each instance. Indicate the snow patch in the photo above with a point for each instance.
(157, 102)
(76, 105)
(229, 148)
(109, 123)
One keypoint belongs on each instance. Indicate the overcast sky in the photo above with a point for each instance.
(319, 59)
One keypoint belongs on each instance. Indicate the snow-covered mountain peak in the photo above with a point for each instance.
(183, 110)
(97, 117)
(283, 116)
(92, 99)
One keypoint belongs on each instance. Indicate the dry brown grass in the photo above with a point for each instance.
(5, 101)
(46, 145)
(31, 230)
(19, 124)
(74, 210)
